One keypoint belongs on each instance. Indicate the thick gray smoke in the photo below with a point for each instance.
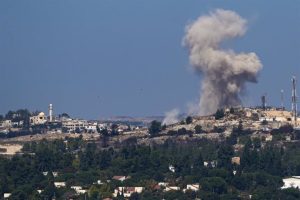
(225, 73)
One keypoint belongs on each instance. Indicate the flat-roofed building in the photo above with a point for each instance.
(74, 124)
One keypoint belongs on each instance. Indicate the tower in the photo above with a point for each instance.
(282, 99)
(294, 99)
(264, 102)
(50, 112)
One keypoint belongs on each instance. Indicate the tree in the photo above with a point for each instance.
(49, 191)
(246, 155)
(256, 143)
(64, 129)
(233, 138)
(291, 193)
(189, 120)
(114, 129)
(214, 185)
(198, 129)
(3, 184)
(9, 115)
(198, 161)
(219, 129)
(104, 132)
(182, 131)
(225, 154)
(26, 147)
(240, 127)
(240, 182)
(65, 115)
(286, 129)
(240, 130)
(219, 114)
(134, 196)
(255, 117)
(77, 130)
(94, 192)
(154, 128)
(98, 129)
(19, 195)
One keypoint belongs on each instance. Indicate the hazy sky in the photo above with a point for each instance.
(104, 58)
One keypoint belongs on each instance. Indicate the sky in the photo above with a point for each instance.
(102, 58)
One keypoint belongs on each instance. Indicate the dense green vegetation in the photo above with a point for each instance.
(219, 114)
(80, 163)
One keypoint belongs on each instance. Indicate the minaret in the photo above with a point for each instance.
(50, 113)
(294, 99)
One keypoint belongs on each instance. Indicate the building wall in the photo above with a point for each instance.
(72, 125)
(38, 119)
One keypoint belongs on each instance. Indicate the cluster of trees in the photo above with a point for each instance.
(156, 127)
(12, 134)
(79, 163)
(18, 115)
(181, 131)
(219, 114)
(112, 132)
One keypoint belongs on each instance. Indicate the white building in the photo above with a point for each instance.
(39, 191)
(212, 164)
(120, 178)
(78, 189)
(171, 188)
(192, 187)
(127, 191)
(102, 126)
(293, 182)
(91, 127)
(73, 124)
(55, 174)
(41, 118)
(163, 184)
(6, 124)
(269, 138)
(6, 195)
(60, 184)
(17, 124)
(172, 168)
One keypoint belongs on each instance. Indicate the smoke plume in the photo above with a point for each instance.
(171, 117)
(225, 72)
